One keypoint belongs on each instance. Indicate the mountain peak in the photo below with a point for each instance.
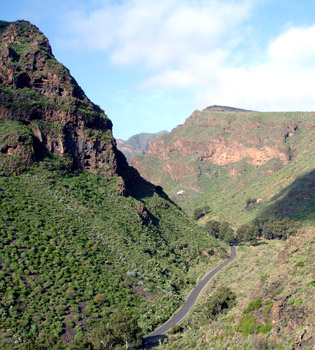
(219, 108)
(38, 93)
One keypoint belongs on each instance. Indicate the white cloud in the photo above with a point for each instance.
(190, 44)
(283, 82)
(158, 34)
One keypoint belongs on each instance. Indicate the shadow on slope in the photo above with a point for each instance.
(137, 186)
(296, 200)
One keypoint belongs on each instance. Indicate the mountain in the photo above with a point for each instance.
(83, 237)
(246, 167)
(240, 163)
(138, 144)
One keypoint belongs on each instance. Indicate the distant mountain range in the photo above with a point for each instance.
(138, 144)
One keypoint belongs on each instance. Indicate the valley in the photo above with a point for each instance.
(97, 253)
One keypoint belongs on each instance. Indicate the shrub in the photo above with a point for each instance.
(253, 305)
(259, 343)
(176, 328)
(69, 323)
(99, 299)
(213, 228)
(222, 300)
(248, 325)
(200, 212)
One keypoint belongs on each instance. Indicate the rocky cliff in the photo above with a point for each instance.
(231, 152)
(40, 98)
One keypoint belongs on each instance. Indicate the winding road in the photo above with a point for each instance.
(155, 337)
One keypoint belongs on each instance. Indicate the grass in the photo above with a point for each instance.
(219, 334)
(274, 307)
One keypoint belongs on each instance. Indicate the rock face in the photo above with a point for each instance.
(38, 92)
(222, 156)
(223, 136)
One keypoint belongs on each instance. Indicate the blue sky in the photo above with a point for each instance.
(149, 64)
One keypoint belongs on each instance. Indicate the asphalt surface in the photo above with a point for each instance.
(156, 336)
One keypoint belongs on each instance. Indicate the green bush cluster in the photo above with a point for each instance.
(68, 243)
(253, 305)
(200, 212)
(220, 230)
(220, 302)
(248, 325)
(271, 227)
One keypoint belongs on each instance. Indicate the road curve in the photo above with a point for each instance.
(154, 337)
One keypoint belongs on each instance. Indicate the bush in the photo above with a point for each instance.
(259, 343)
(200, 212)
(213, 228)
(253, 305)
(248, 325)
(222, 300)
(69, 323)
(99, 299)
(176, 328)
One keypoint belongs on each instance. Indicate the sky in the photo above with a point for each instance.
(149, 64)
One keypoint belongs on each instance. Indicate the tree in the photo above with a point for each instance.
(200, 212)
(246, 233)
(122, 331)
(222, 300)
(126, 328)
(225, 230)
(229, 236)
(213, 228)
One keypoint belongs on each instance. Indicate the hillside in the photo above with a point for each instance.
(228, 158)
(275, 307)
(83, 236)
(138, 144)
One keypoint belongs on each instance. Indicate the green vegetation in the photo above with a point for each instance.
(238, 191)
(267, 291)
(200, 212)
(73, 253)
(220, 302)
(248, 325)
(220, 230)
(253, 305)
(83, 267)
(3, 26)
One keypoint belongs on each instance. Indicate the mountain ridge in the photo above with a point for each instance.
(219, 157)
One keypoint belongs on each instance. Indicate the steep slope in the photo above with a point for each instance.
(83, 236)
(39, 92)
(138, 144)
(275, 304)
(222, 157)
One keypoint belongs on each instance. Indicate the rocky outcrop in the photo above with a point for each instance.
(40, 93)
(225, 136)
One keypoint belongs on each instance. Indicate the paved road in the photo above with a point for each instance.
(154, 337)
